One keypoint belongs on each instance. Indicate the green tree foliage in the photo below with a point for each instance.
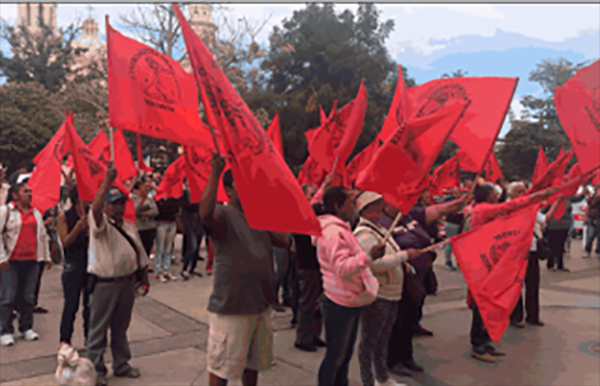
(539, 124)
(43, 56)
(317, 56)
(30, 117)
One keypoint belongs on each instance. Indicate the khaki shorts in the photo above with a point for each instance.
(236, 342)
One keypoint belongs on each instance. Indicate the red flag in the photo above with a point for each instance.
(322, 115)
(362, 159)
(493, 260)
(99, 146)
(140, 159)
(540, 166)
(445, 176)
(578, 107)
(45, 178)
(479, 126)
(266, 186)
(171, 185)
(553, 174)
(149, 93)
(573, 174)
(312, 172)
(465, 162)
(492, 169)
(337, 137)
(399, 109)
(274, 132)
(198, 166)
(399, 168)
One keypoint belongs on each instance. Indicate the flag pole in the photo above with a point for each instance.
(389, 231)
(112, 143)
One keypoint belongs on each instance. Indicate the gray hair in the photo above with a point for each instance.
(513, 186)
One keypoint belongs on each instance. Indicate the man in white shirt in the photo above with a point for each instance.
(115, 249)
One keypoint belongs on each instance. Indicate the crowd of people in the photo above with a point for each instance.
(351, 277)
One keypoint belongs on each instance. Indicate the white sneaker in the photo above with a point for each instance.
(170, 277)
(7, 340)
(30, 335)
(389, 382)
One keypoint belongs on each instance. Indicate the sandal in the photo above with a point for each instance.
(131, 373)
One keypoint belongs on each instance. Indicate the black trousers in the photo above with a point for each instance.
(479, 335)
(192, 238)
(400, 348)
(38, 284)
(532, 293)
(147, 237)
(556, 240)
(74, 281)
(310, 322)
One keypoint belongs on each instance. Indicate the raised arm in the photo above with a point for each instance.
(435, 212)
(318, 197)
(68, 238)
(98, 202)
(208, 201)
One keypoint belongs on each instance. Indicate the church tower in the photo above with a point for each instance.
(29, 14)
(201, 22)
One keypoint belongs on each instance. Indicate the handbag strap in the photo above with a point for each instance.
(128, 238)
(370, 226)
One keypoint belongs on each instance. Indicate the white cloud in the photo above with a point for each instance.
(484, 11)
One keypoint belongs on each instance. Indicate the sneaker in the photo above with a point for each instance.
(451, 267)
(30, 335)
(493, 351)
(587, 255)
(184, 276)
(484, 357)
(7, 340)
(564, 269)
(421, 331)
(40, 310)
(400, 370)
(170, 277)
(305, 347)
(158, 278)
(163, 279)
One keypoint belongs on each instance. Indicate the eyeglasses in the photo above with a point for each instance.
(26, 191)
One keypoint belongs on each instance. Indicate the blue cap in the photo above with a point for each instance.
(114, 194)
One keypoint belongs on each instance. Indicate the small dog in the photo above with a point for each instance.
(73, 370)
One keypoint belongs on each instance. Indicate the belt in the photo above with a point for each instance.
(114, 279)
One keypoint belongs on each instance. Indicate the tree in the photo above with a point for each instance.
(539, 124)
(41, 56)
(318, 56)
(30, 117)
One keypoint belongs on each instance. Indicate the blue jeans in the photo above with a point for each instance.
(592, 233)
(18, 292)
(341, 329)
(451, 230)
(165, 234)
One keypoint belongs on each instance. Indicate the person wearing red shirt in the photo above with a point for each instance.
(23, 244)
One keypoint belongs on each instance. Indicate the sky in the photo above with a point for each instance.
(428, 35)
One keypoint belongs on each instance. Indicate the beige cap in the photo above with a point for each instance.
(366, 198)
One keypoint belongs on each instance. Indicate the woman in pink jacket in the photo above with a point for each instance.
(348, 284)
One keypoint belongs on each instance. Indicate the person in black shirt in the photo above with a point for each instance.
(453, 225)
(192, 237)
(310, 322)
(73, 230)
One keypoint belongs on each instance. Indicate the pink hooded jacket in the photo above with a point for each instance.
(347, 278)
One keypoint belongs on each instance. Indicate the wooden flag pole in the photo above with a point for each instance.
(389, 231)
(112, 143)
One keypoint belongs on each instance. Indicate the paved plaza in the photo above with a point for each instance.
(169, 330)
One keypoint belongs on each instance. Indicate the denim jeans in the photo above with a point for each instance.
(74, 281)
(18, 292)
(479, 335)
(165, 234)
(451, 230)
(341, 328)
(282, 261)
(592, 233)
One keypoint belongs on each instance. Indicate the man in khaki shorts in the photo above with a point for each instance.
(240, 341)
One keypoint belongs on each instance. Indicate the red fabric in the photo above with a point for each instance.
(401, 164)
(491, 168)
(149, 93)
(573, 173)
(265, 185)
(171, 185)
(274, 132)
(553, 174)
(197, 170)
(100, 148)
(361, 160)
(465, 162)
(445, 176)
(493, 260)
(45, 178)
(399, 109)
(312, 172)
(477, 130)
(337, 137)
(26, 247)
(578, 107)
(88, 170)
(540, 166)
(322, 114)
